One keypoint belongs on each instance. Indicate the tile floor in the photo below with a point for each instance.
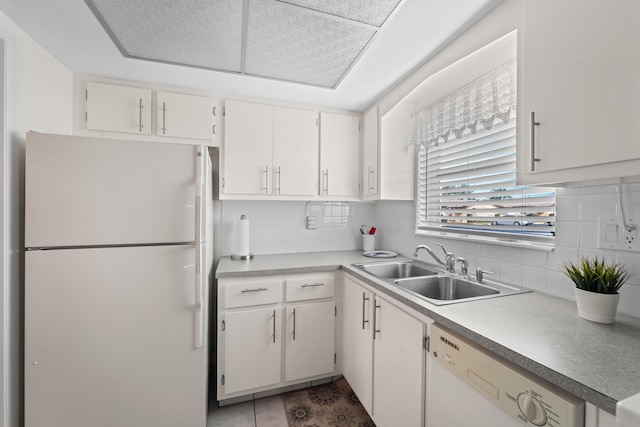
(264, 412)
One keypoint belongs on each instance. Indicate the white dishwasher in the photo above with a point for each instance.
(470, 386)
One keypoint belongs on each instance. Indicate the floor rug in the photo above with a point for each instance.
(326, 405)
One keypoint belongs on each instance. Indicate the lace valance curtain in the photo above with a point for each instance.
(479, 102)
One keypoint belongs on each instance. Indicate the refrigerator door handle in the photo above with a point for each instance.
(199, 320)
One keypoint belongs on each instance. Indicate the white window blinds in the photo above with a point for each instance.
(467, 184)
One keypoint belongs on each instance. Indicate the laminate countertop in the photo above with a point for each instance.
(538, 332)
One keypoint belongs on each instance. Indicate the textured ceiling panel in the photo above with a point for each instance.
(373, 12)
(196, 33)
(290, 44)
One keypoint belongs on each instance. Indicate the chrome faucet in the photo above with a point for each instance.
(464, 267)
(449, 258)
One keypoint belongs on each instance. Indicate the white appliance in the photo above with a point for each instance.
(472, 387)
(116, 282)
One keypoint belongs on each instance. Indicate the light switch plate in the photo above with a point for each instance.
(613, 235)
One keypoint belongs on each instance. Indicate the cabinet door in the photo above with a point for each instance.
(295, 152)
(398, 370)
(339, 154)
(310, 340)
(582, 82)
(184, 116)
(247, 148)
(252, 349)
(118, 108)
(357, 346)
(370, 153)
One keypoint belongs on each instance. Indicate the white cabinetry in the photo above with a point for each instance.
(370, 154)
(579, 91)
(310, 335)
(259, 349)
(397, 157)
(269, 150)
(357, 334)
(118, 108)
(249, 333)
(384, 356)
(339, 154)
(185, 116)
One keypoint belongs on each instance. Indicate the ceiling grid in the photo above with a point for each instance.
(311, 42)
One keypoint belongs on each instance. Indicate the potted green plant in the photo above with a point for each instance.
(597, 284)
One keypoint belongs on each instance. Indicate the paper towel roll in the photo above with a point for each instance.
(242, 236)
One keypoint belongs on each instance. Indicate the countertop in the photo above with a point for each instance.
(541, 333)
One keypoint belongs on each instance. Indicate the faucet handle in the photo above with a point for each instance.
(480, 274)
(465, 266)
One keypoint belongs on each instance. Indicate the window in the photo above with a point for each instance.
(467, 167)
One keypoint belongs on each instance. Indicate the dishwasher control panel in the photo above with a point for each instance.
(528, 399)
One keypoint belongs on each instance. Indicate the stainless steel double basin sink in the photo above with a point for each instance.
(435, 286)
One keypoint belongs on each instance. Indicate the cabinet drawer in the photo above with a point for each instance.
(252, 292)
(310, 287)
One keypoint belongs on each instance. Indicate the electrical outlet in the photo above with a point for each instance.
(612, 234)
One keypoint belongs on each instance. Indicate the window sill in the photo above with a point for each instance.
(502, 241)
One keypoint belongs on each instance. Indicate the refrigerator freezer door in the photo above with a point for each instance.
(83, 191)
(109, 346)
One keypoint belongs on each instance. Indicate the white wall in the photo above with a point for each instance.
(280, 227)
(576, 235)
(38, 96)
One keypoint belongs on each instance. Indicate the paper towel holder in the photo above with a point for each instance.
(247, 256)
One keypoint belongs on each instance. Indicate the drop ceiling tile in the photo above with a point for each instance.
(291, 44)
(373, 12)
(197, 33)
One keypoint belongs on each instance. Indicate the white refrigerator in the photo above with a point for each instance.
(117, 273)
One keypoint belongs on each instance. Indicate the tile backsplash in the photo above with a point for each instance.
(280, 227)
(576, 235)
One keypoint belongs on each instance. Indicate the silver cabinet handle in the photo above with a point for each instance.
(313, 285)
(253, 290)
(369, 179)
(294, 324)
(164, 121)
(278, 173)
(213, 129)
(140, 107)
(266, 179)
(325, 173)
(364, 304)
(376, 307)
(534, 159)
(274, 326)
(213, 110)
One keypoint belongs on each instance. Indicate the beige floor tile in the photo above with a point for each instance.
(238, 415)
(270, 412)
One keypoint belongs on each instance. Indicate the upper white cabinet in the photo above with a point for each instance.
(397, 157)
(185, 116)
(248, 148)
(141, 111)
(339, 154)
(578, 90)
(269, 150)
(295, 152)
(370, 154)
(118, 108)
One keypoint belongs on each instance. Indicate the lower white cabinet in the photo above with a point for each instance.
(250, 333)
(384, 356)
(310, 340)
(274, 331)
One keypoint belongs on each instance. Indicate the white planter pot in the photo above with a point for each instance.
(600, 308)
